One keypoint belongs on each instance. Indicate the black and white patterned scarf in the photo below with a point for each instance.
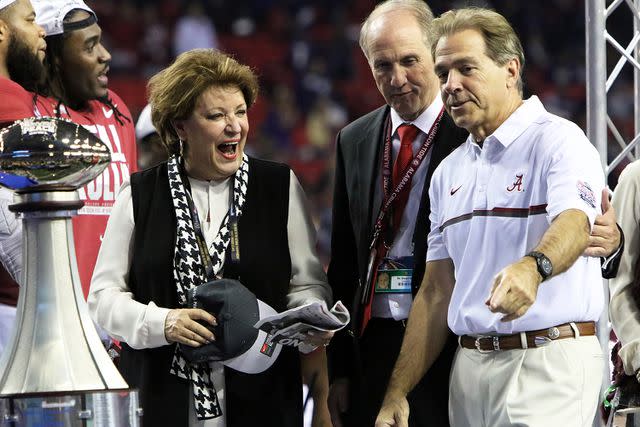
(189, 271)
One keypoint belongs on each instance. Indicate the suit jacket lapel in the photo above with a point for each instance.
(448, 139)
(370, 152)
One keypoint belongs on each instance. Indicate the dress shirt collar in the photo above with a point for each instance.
(214, 183)
(424, 120)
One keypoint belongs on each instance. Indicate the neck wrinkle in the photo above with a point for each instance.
(480, 134)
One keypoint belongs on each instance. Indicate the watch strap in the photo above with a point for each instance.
(541, 261)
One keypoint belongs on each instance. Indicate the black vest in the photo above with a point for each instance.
(272, 398)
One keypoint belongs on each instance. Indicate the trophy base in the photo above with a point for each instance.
(95, 409)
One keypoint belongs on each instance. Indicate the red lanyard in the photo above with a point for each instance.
(390, 196)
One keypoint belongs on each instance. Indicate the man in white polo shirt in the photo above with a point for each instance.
(510, 209)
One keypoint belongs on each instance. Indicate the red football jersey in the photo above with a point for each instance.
(15, 102)
(99, 195)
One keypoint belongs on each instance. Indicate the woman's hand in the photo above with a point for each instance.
(319, 338)
(181, 326)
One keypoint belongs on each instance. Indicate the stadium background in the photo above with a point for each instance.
(314, 78)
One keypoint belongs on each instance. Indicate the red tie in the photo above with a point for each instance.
(407, 135)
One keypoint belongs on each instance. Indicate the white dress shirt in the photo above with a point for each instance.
(397, 305)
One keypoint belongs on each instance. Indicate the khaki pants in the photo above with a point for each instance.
(557, 385)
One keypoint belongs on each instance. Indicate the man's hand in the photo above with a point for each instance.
(515, 289)
(181, 326)
(338, 400)
(394, 412)
(605, 235)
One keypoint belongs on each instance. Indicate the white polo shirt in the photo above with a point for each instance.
(491, 205)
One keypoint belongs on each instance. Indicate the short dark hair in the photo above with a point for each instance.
(53, 60)
(53, 67)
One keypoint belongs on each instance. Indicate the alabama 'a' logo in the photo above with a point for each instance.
(517, 184)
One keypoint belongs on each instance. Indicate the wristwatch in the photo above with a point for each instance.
(545, 268)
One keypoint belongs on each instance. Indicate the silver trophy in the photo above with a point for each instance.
(55, 370)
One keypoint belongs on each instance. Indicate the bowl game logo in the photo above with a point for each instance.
(586, 193)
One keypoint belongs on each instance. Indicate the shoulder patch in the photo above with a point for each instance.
(586, 193)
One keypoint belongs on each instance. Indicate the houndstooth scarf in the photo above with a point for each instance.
(189, 271)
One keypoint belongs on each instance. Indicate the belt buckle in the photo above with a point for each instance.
(553, 333)
(494, 340)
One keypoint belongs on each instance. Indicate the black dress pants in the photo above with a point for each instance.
(379, 348)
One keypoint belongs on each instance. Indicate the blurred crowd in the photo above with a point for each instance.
(314, 78)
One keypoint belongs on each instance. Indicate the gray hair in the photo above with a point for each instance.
(501, 41)
(418, 8)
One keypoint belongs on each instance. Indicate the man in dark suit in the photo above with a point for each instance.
(395, 40)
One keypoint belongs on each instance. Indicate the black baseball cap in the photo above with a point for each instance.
(238, 345)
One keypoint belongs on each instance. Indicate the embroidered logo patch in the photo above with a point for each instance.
(517, 184)
(455, 190)
(268, 346)
(586, 193)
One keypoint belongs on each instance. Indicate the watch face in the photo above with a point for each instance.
(545, 264)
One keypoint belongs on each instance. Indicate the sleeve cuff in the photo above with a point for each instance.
(155, 319)
(611, 264)
(630, 355)
(590, 213)
(607, 261)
